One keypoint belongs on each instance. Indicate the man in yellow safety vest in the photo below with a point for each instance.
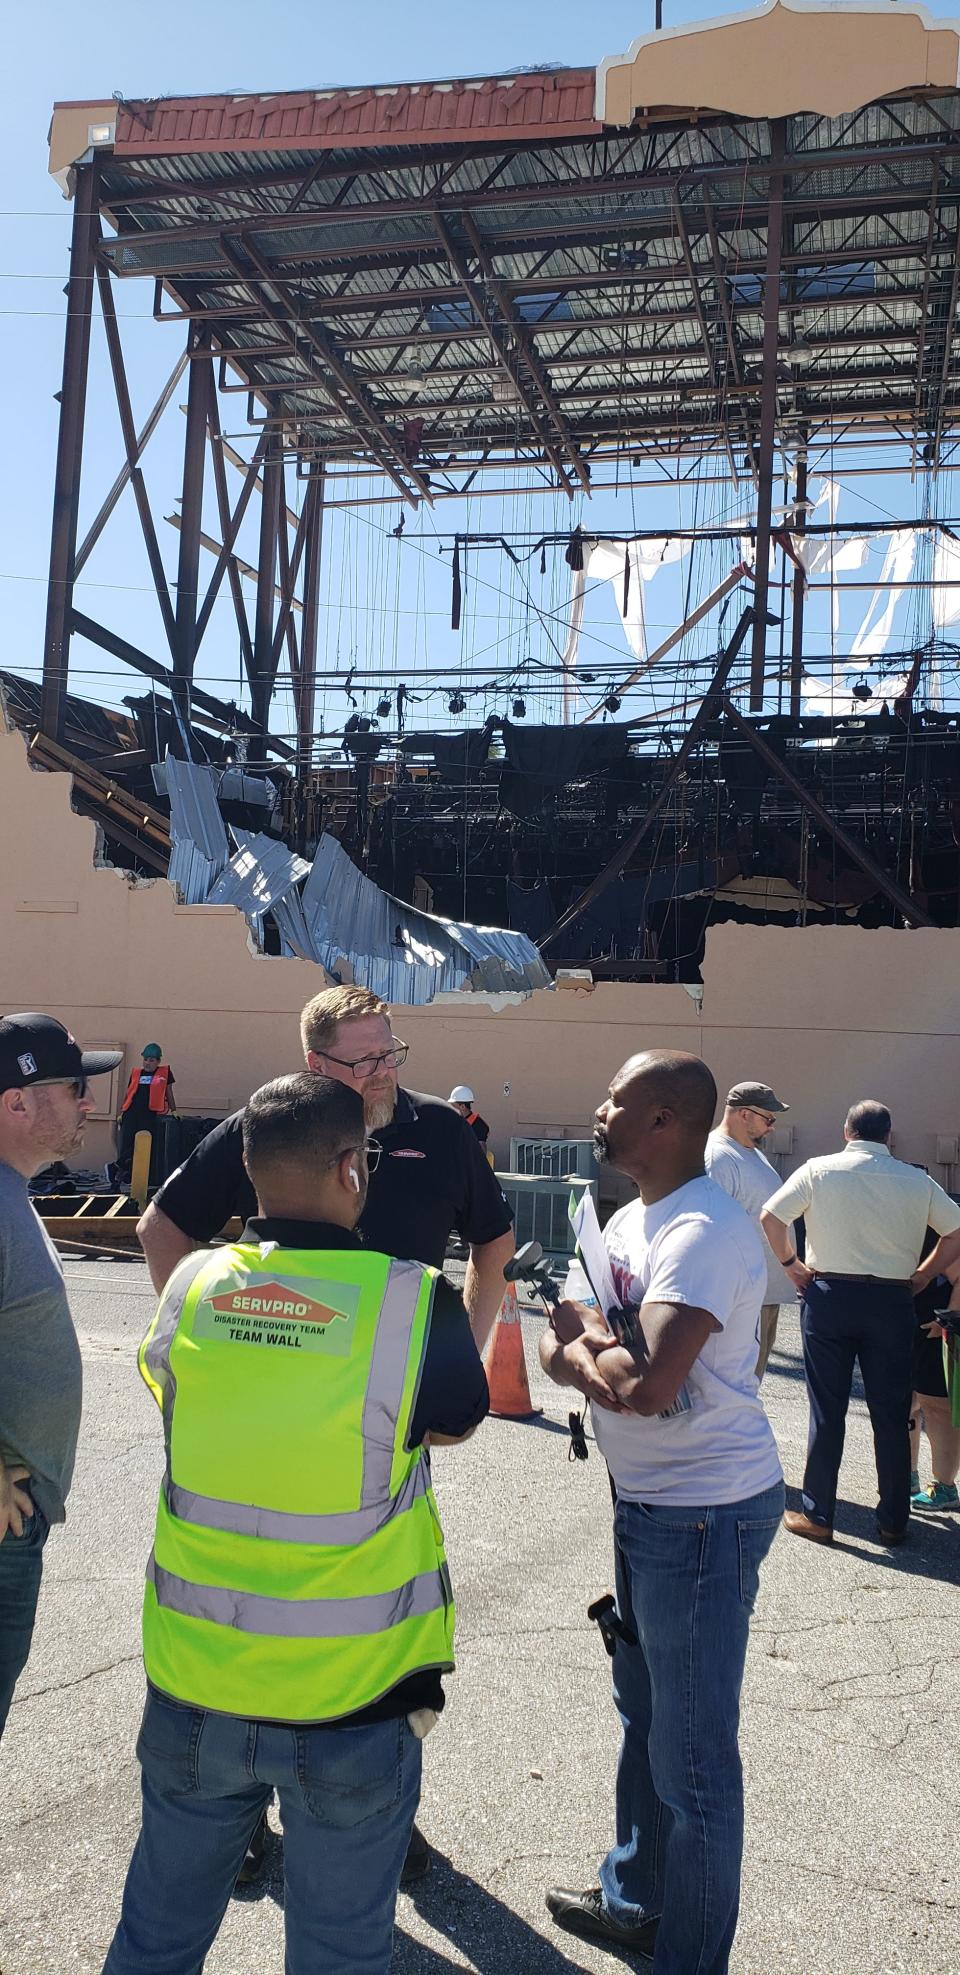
(298, 1612)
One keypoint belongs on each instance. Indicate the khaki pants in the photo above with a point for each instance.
(768, 1331)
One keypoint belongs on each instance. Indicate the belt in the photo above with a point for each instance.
(885, 1282)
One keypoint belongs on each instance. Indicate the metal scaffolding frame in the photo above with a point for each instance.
(460, 314)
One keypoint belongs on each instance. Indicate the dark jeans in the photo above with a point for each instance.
(686, 1582)
(21, 1568)
(842, 1322)
(130, 1124)
(348, 1798)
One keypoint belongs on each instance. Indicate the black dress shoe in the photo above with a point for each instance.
(255, 1855)
(585, 1914)
(417, 1861)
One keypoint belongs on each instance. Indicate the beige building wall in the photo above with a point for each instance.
(826, 1014)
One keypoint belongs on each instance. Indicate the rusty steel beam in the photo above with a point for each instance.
(66, 487)
(188, 565)
(134, 474)
(768, 412)
(261, 685)
(799, 586)
(309, 636)
(231, 718)
(324, 347)
(534, 365)
(143, 438)
(501, 344)
(908, 908)
(229, 529)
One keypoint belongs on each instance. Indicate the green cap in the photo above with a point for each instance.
(153, 1049)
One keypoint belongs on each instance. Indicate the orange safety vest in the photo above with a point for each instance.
(159, 1082)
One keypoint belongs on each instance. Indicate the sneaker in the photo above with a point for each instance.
(939, 1495)
(914, 1481)
(585, 1914)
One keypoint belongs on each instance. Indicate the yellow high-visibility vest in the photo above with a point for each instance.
(298, 1569)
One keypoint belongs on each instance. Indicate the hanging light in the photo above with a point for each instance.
(457, 703)
(519, 708)
(613, 702)
(862, 689)
(384, 706)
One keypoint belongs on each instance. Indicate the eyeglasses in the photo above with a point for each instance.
(765, 1115)
(365, 1066)
(79, 1086)
(371, 1150)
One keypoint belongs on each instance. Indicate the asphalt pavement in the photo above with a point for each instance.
(850, 1708)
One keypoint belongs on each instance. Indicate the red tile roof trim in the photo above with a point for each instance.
(560, 103)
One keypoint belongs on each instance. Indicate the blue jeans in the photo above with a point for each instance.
(686, 1584)
(874, 1322)
(21, 1568)
(348, 1798)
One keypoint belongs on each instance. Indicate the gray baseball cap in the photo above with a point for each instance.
(755, 1097)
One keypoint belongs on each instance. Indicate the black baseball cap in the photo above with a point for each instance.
(37, 1049)
(755, 1097)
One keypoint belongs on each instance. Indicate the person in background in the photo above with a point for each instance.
(734, 1159)
(298, 1614)
(866, 1217)
(698, 1501)
(147, 1098)
(44, 1106)
(463, 1100)
(930, 1410)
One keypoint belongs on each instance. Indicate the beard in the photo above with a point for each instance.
(379, 1104)
(601, 1145)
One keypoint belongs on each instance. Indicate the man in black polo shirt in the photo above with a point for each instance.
(431, 1178)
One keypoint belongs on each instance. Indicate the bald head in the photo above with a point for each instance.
(674, 1078)
(654, 1123)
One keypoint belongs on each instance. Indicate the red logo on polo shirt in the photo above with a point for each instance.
(271, 1299)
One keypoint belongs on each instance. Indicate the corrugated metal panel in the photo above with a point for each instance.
(194, 812)
(406, 956)
(259, 873)
(191, 872)
(349, 918)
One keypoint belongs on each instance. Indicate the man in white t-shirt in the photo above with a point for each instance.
(699, 1496)
(735, 1161)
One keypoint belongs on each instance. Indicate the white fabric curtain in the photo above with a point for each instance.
(873, 636)
(605, 561)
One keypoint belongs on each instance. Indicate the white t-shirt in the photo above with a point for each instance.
(697, 1246)
(746, 1174)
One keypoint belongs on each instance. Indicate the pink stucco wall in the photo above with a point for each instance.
(827, 1014)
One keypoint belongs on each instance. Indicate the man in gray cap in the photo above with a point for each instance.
(44, 1105)
(733, 1158)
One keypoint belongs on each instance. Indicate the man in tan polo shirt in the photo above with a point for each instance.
(866, 1216)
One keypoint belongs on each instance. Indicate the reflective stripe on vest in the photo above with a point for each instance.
(285, 1526)
(292, 1375)
(303, 1618)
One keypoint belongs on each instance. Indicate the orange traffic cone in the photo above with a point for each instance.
(507, 1367)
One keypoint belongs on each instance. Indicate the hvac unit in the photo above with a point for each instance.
(540, 1209)
(553, 1158)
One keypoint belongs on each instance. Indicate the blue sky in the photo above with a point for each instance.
(383, 605)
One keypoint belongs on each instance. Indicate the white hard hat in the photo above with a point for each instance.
(460, 1094)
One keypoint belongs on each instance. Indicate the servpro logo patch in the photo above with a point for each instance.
(279, 1316)
(274, 1301)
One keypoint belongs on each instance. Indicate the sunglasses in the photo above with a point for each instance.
(78, 1086)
